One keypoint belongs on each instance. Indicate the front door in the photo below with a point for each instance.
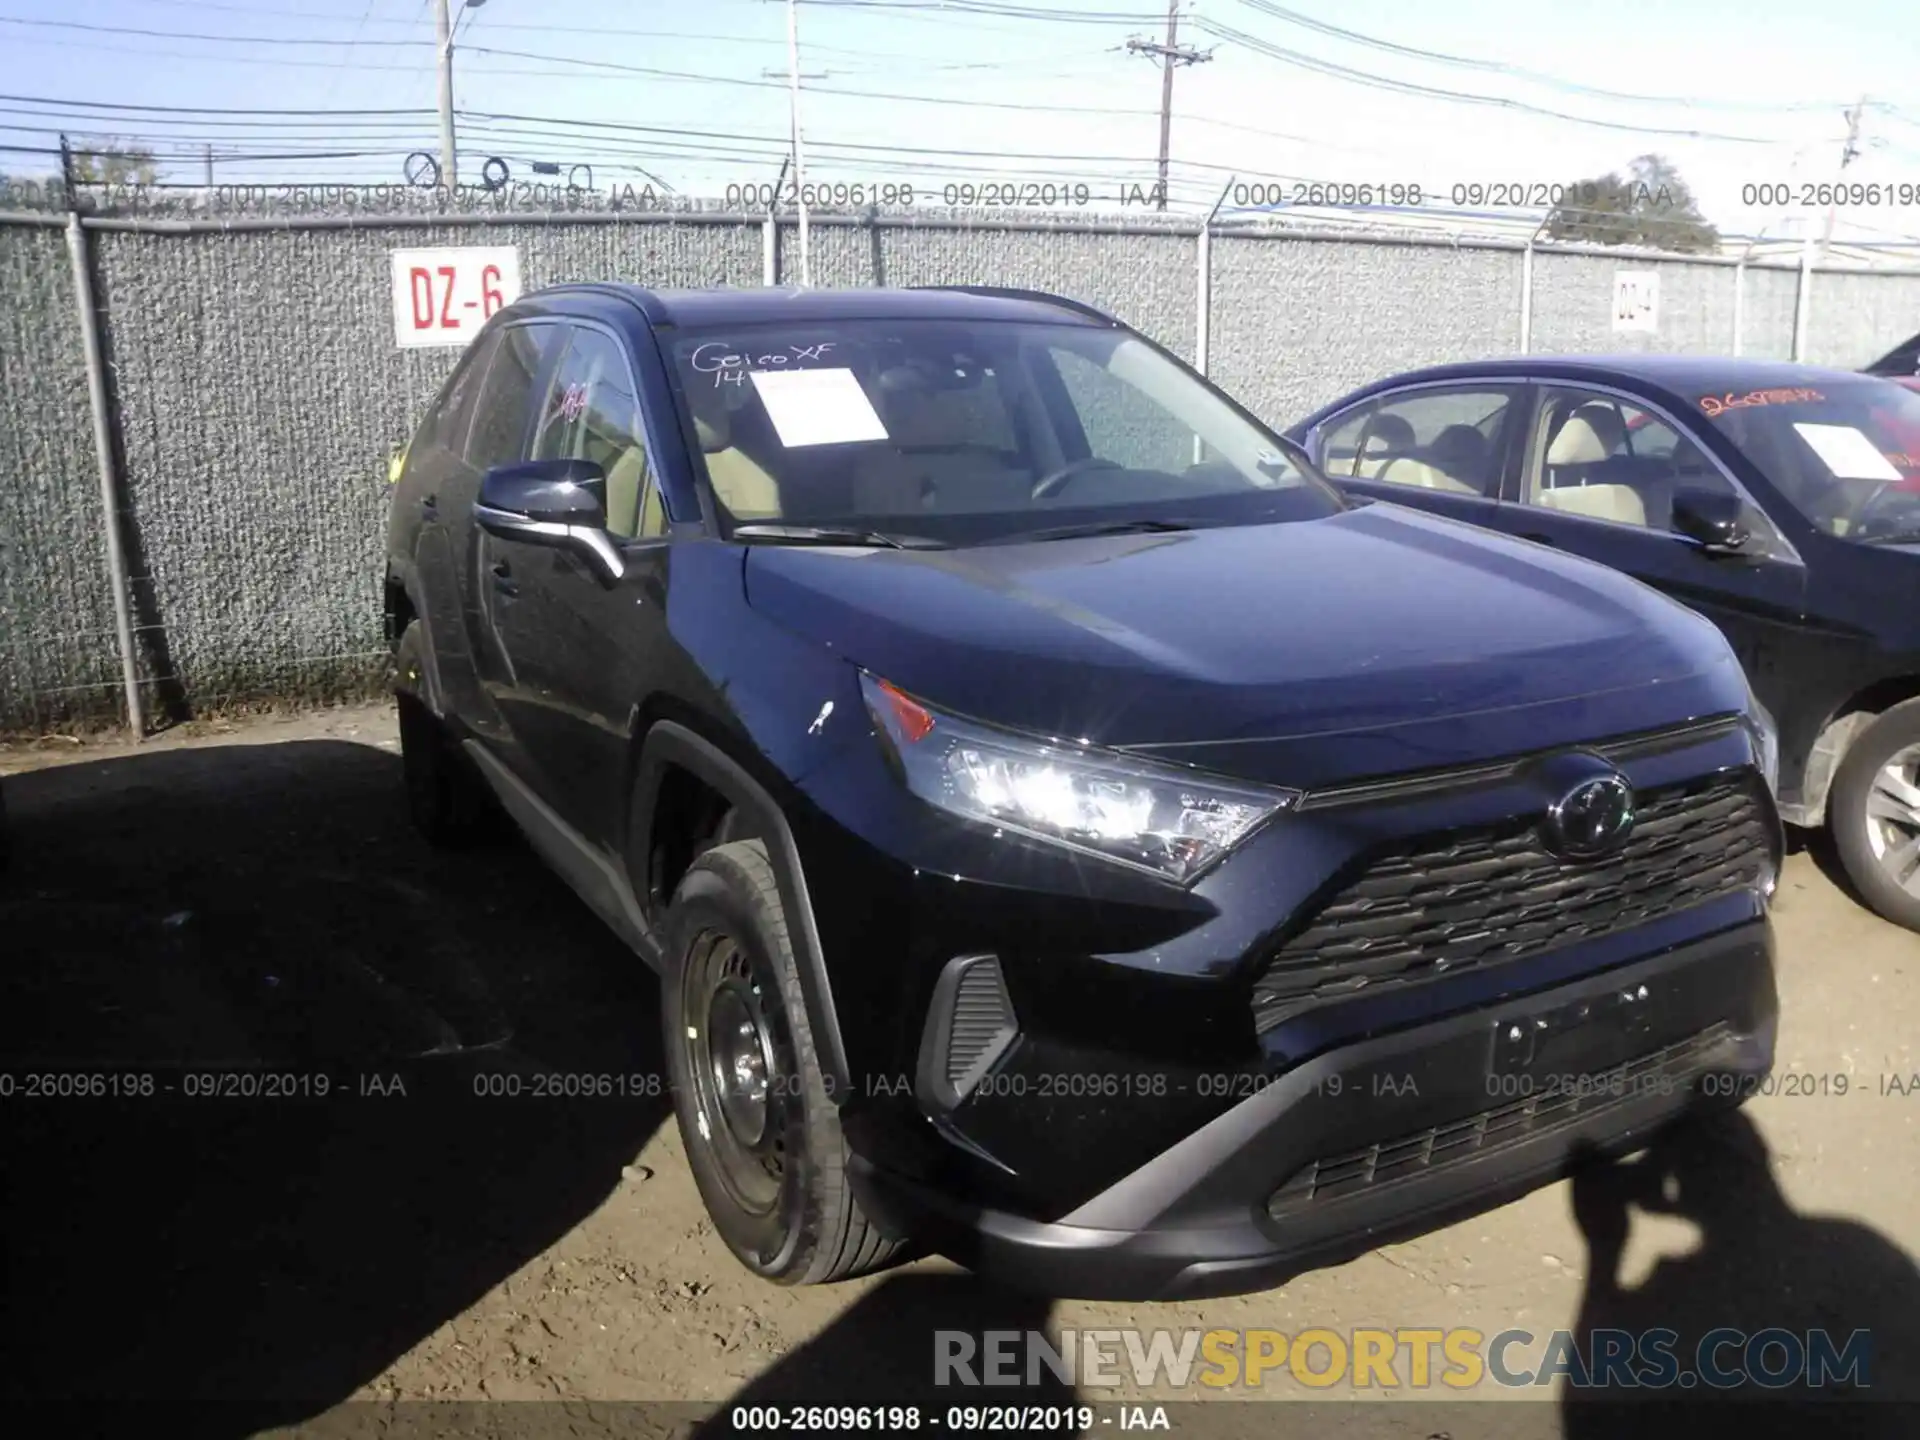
(1597, 478)
(582, 648)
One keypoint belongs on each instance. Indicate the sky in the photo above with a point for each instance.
(693, 94)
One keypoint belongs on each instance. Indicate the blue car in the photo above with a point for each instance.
(1781, 501)
(1069, 834)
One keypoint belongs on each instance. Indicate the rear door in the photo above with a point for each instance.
(1439, 447)
(438, 490)
(1596, 476)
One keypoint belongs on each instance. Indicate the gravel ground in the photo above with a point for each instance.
(251, 895)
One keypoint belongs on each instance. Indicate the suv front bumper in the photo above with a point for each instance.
(1388, 1136)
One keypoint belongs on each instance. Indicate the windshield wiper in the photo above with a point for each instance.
(1898, 537)
(834, 535)
(1099, 527)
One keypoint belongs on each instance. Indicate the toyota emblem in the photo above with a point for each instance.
(1592, 818)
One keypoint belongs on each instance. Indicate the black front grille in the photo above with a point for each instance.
(1442, 904)
(1664, 1074)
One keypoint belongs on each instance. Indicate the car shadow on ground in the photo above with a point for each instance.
(886, 1349)
(266, 910)
(1758, 1265)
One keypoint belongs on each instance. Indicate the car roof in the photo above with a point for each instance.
(1666, 372)
(701, 308)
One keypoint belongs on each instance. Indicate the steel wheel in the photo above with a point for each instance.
(1893, 818)
(736, 1073)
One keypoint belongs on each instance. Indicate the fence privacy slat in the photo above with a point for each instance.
(255, 390)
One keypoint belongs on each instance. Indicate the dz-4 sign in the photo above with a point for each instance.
(443, 297)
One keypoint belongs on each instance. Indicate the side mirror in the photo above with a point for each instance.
(1713, 518)
(557, 503)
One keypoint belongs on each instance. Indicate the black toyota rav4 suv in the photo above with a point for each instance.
(1070, 835)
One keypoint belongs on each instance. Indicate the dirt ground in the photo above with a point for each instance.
(251, 895)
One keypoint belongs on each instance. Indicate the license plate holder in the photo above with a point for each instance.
(1581, 1037)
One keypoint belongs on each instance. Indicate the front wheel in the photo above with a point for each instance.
(762, 1134)
(1873, 813)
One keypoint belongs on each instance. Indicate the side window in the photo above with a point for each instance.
(1340, 441)
(505, 400)
(590, 413)
(452, 413)
(1605, 458)
(1433, 439)
(1121, 424)
(653, 514)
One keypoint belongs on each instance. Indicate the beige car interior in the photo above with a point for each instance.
(1405, 470)
(885, 482)
(1387, 437)
(1385, 457)
(626, 477)
(739, 481)
(1588, 436)
(921, 468)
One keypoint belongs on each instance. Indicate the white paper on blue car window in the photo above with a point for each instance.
(1847, 452)
(817, 407)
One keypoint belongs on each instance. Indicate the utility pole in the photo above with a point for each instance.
(799, 154)
(443, 34)
(1847, 157)
(1170, 54)
(209, 166)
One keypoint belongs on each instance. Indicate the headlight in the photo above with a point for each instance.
(1766, 741)
(1159, 818)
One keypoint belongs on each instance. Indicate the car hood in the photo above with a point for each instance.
(1374, 641)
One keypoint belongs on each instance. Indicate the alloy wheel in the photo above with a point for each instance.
(1893, 818)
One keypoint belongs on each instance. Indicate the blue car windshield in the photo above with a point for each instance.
(1844, 452)
(964, 431)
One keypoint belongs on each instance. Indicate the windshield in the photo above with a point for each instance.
(1844, 453)
(965, 432)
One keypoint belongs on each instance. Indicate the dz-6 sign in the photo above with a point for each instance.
(443, 297)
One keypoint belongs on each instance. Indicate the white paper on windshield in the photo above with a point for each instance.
(1848, 453)
(817, 407)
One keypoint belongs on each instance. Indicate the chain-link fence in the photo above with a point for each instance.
(252, 388)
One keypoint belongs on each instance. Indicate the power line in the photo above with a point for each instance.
(994, 8)
(1406, 87)
(601, 32)
(1498, 67)
(135, 30)
(198, 109)
(333, 85)
(1251, 42)
(663, 74)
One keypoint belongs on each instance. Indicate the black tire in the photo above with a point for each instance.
(1853, 828)
(777, 1191)
(445, 798)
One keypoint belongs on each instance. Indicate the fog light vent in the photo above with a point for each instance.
(969, 1026)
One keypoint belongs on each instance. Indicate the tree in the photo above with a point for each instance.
(113, 162)
(1650, 205)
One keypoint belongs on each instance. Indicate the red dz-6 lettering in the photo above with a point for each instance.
(433, 296)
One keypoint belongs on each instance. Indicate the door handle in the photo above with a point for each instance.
(1542, 540)
(429, 507)
(503, 580)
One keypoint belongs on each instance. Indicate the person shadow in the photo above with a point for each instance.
(1759, 1265)
(891, 1347)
